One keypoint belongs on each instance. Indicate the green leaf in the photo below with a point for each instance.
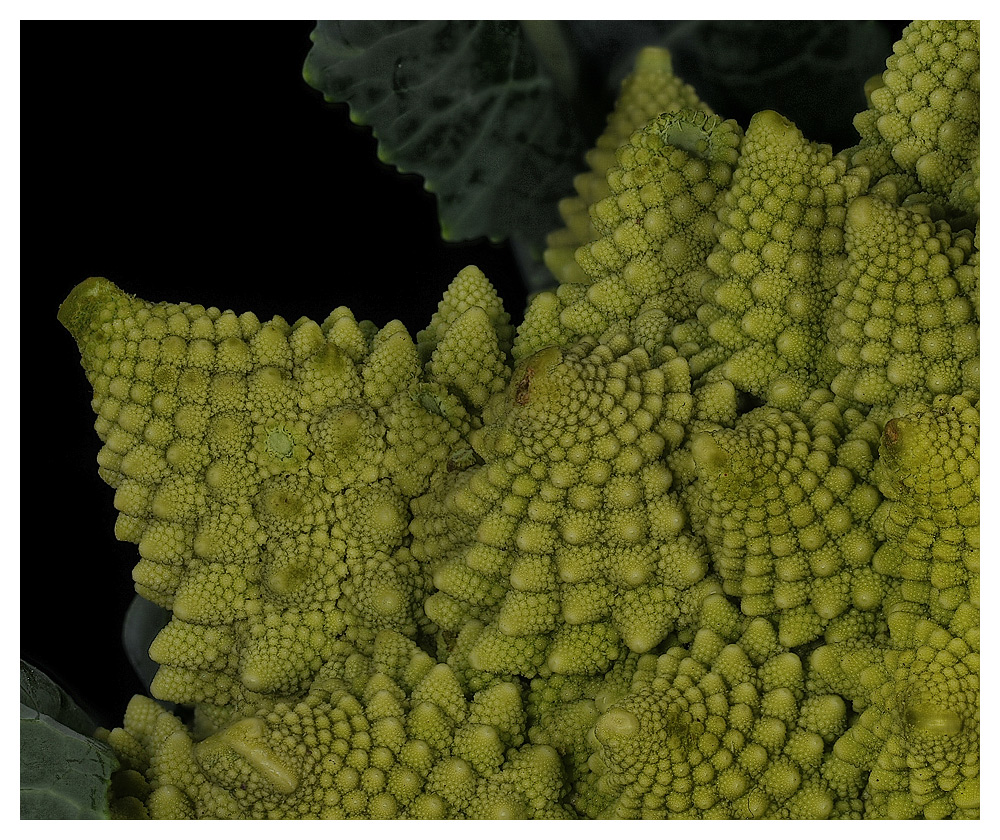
(479, 108)
(65, 774)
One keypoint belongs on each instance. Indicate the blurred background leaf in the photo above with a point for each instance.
(811, 71)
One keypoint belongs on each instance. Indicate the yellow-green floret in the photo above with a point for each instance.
(700, 541)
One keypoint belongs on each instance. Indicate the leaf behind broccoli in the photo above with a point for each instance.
(466, 104)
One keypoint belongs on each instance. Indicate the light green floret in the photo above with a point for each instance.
(786, 525)
(541, 326)
(780, 253)
(928, 470)
(563, 544)
(468, 359)
(924, 115)
(265, 470)
(392, 366)
(649, 90)
(469, 290)
(286, 648)
(562, 708)
(268, 347)
(328, 378)
(714, 732)
(529, 786)
(426, 427)
(352, 442)
(393, 735)
(656, 226)
(904, 332)
(195, 646)
(271, 394)
(347, 334)
(918, 732)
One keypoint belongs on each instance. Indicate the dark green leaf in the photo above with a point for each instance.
(469, 106)
(64, 773)
(40, 693)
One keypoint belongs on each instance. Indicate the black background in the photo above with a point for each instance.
(186, 162)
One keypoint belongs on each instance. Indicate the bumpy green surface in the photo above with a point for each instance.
(700, 540)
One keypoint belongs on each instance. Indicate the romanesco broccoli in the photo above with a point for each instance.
(700, 540)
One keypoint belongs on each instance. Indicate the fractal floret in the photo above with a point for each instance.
(698, 539)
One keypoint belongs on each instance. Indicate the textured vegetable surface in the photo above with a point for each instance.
(698, 539)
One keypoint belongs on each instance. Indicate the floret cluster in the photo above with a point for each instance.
(698, 539)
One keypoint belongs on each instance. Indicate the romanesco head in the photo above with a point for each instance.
(700, 541)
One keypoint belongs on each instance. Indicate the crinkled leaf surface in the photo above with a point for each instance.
(64, 773)
(468, 105)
